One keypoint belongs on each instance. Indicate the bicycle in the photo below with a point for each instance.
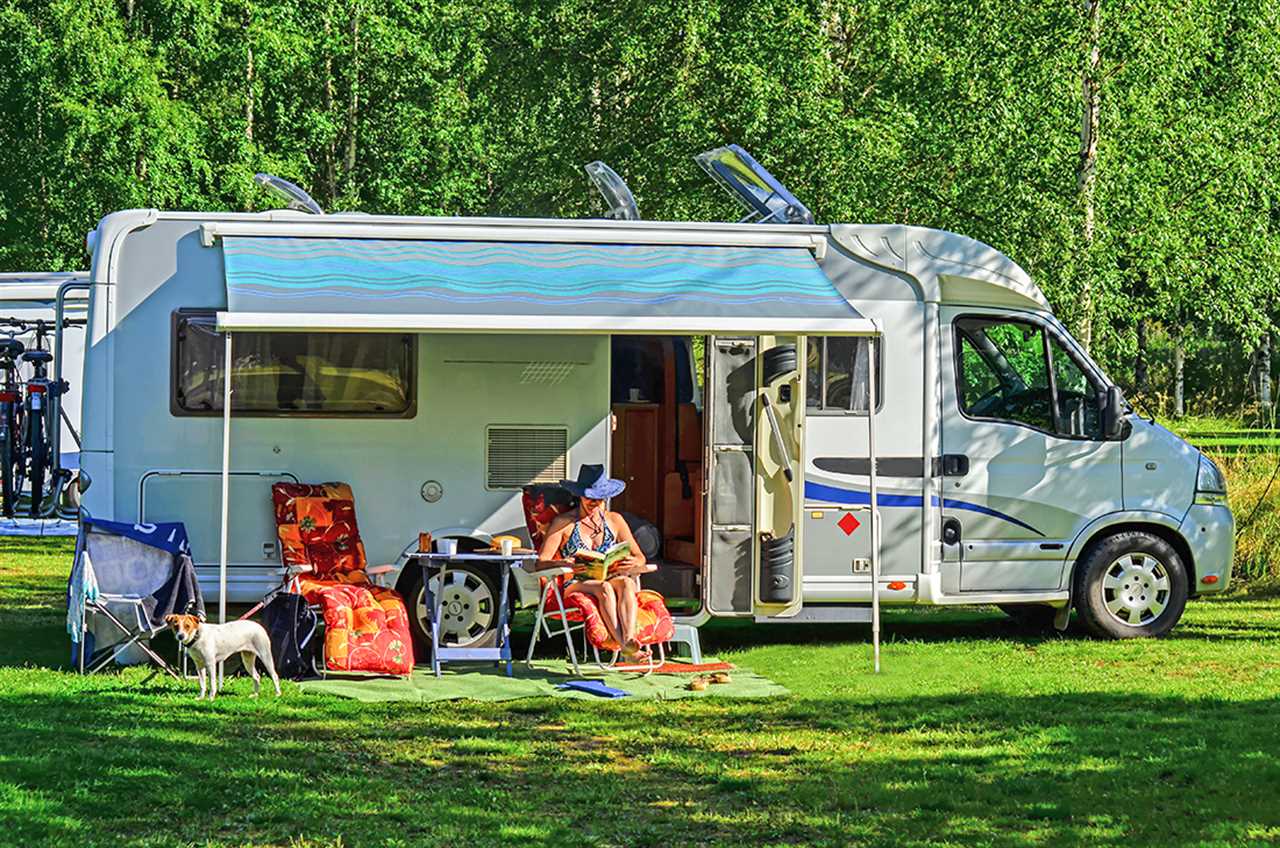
(27, 457)
(12, 416)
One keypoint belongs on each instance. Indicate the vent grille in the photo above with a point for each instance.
(522, 456)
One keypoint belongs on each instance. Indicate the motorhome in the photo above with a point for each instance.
(735, 375)
(33, 296)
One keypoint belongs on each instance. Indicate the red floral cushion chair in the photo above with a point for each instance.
(366, 625)
(654, 626)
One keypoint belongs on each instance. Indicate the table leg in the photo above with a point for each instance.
(504, 626)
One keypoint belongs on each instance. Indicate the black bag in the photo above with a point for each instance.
(292, 626)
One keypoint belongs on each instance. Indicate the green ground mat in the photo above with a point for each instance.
(482, 682)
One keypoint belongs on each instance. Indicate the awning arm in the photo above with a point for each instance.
(226, 480)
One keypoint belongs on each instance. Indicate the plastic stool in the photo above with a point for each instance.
(687, 634)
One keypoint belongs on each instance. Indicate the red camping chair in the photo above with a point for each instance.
(366, 625)
(577, 611)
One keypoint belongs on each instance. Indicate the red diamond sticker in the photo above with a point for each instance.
(848, 524)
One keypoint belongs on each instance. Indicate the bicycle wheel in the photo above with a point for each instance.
(38, 451)
(7, 433)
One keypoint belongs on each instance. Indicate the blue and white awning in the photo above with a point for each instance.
(304, 283)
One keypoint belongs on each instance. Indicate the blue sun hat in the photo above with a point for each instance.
(594, 483)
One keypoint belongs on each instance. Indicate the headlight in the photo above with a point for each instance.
(1211, 486)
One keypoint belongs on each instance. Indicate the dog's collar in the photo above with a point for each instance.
(187, 644)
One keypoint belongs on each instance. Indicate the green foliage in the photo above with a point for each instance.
(959, 115)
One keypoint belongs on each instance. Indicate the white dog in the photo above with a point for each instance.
(210, 644)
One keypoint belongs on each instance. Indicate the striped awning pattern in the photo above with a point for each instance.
(713, 285)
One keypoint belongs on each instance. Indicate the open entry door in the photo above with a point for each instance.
(755, 418)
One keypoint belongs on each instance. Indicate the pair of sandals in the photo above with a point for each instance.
(701, 682)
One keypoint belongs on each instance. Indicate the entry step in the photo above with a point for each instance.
(822, 615)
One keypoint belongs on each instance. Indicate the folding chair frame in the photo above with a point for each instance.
(551, 585)
(138, 637)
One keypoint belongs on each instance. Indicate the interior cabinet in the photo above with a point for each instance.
(635, 458)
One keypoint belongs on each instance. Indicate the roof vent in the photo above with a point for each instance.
(518, 456)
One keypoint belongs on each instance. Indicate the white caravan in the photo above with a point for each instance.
(32, 296)
(439, 365)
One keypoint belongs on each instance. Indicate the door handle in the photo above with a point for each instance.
(954, 465)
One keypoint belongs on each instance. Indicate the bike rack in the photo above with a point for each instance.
(53, 410)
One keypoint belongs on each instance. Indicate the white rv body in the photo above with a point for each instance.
(1029, 502)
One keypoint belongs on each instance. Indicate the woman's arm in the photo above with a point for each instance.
(635, 562)
(550, 551)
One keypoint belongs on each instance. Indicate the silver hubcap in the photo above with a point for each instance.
(467, 608)
(1135, 589)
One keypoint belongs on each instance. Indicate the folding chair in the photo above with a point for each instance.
(577, 611)
(114, 582)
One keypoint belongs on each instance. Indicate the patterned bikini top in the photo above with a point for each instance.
(574, 543)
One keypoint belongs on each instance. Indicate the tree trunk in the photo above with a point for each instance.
(1262, 361)
(1087, 168)
(248, 75)
(1179, 359)
(353, 102)
(1141, 371)
(331, 145)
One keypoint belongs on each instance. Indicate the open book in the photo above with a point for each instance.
(596, 565)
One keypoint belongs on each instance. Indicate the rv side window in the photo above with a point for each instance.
(1003, 372)
(837, 372)
(311, 374)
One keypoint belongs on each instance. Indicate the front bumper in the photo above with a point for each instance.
(1210, 532)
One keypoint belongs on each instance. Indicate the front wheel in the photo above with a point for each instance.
(1129, 585)
(468, 608)
(38, 450)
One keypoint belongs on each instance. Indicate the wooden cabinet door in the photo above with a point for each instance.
(635, 457)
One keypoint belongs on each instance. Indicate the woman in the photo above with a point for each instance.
(594, 527)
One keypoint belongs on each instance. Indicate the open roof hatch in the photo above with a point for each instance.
(296, 196)
(621, 203)
(766, 199)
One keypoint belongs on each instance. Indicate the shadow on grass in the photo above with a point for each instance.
(1088, 769)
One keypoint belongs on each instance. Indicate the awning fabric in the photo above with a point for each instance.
(420, 284)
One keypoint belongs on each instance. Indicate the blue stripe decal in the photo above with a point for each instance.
(834, 494)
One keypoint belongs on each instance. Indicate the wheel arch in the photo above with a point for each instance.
(1158, 524)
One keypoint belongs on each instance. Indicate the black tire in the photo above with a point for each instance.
(38, 463)
(475, 577)
(1130, 585)
(1033, 617)
(7, 489)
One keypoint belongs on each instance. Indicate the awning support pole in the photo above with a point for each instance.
(875, 512)
(226, 478)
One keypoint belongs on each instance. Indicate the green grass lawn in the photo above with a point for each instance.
(974, 734)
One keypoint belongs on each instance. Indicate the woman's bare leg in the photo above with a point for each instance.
(628, 609)
(606, 603)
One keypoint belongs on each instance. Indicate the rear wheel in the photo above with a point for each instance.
(7, 488)
(38, 450)
(1129, 585)
(468, 608)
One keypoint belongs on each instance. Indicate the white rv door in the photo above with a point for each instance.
(755, 414)
(1024, 464)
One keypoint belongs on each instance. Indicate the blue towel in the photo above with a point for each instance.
(594, 687)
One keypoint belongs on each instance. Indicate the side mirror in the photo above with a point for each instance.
(1112, 413)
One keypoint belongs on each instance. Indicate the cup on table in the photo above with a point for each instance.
(448, 547)
(507, 546)
(424, 543)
